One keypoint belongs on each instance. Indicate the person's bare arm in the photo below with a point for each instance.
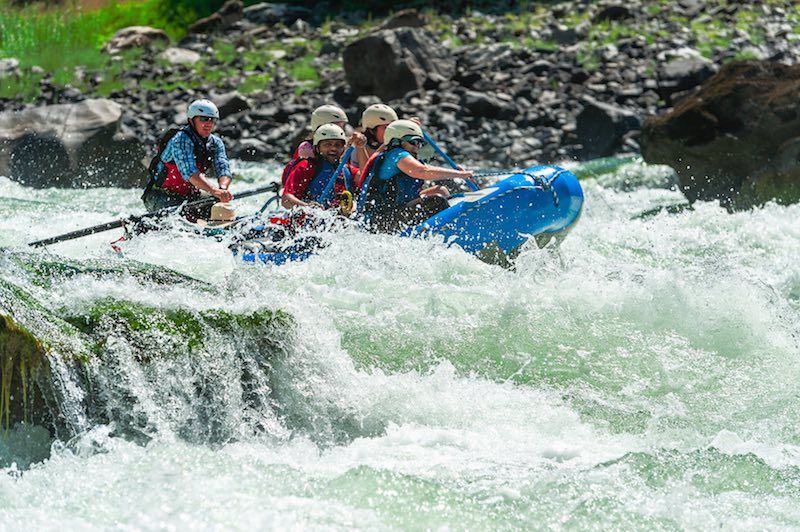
(415, 169)
(199, 180)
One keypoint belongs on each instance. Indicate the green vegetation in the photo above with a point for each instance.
(25, 86)
(58, 40)
(184, 327)
(64, 38)
(64, 43)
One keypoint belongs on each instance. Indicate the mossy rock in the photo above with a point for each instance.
(22, 359)
(44, 270)
(173, 331)
(201, 373)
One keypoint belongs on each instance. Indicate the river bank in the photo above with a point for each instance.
(563, 81)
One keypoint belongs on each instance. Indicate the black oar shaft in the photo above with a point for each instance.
(119, 223)
(79, 233)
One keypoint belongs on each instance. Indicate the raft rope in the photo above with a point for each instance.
(547, 184)
(541, 182)
(499, 171)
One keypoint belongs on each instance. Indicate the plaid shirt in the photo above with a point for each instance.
(180, 150)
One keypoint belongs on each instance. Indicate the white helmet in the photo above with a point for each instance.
(326, 114)
(401, 128)
(329, 132)
(377, 115)
(202, 108)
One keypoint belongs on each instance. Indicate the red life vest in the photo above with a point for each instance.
(174, 182)
(170, 178)
(315, 182)
(292, 163)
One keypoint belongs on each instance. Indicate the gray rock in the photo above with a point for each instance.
(231, 103)
(564, 35)
(269, 13)
(683, 73)
(9, 66)
(134, 37)
(230, 13)
(538, 67)
(405, 18)
(390, 63)
(600, 127)
(253, 150)
(487, 105)
(180, 56)
(268, 112)
(616, 12)
(70, 146)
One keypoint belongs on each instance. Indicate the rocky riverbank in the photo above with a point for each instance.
(570, 80)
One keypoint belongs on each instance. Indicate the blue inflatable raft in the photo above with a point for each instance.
(542, 202)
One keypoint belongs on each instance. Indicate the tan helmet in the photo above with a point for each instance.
(377, 115)
(401, 128)
(327, 114)
(329, 132)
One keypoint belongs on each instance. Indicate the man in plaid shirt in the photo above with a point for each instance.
(192, 157)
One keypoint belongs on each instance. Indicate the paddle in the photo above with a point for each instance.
(119, 223)
(326, 194)
(447, 158)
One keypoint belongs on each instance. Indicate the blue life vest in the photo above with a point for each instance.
(322, 174)
(380, 195)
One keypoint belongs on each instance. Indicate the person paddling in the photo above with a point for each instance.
(188, 159)
(307, 180)
(392, 195)
(324, 114)
(374, 121)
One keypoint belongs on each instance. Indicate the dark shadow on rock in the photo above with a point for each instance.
(39, 161)
(736, 140)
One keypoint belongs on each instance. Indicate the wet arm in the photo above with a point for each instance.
(417, 170)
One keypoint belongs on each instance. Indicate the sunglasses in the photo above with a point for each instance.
(416, 141)
(207, 118)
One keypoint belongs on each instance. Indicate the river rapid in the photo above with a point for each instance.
(645, 375)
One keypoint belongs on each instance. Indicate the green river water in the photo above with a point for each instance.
(645, 376)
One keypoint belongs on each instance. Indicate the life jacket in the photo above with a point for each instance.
(378, 195)
(167, 176)
(288, 169)
(362, 177)
(295, 159)
(322, 176)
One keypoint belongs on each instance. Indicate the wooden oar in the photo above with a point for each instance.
(167, 210)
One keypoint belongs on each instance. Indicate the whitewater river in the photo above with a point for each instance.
(645, 376)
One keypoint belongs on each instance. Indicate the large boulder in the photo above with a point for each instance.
(70, 146)
(391, 63)
(600, 128)
(134, 37)
(268, 13)
(405, 18)
(180, 56)
(231, 103)
(737, 139)
(487, 105)
(683, 73)
(231, 11)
